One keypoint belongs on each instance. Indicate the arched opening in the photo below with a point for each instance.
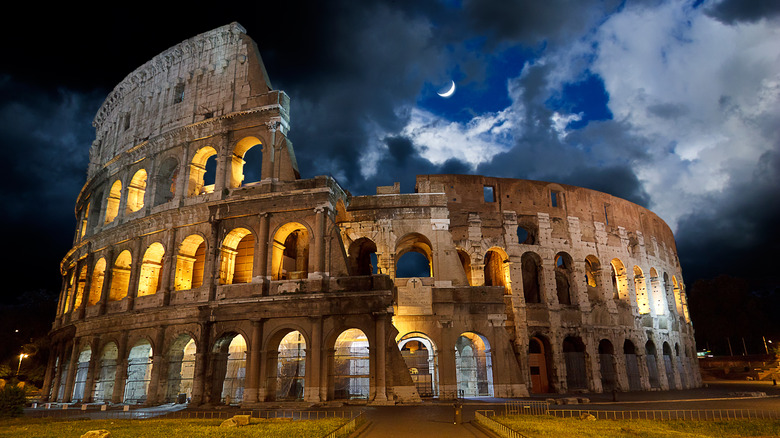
(619, 280)
(82, 369)
(632, 366)
(563, 268)
(351, 369)
(497, 270)
(120, 276)
(525, 236)
(593, 278)
(473, 366)
(231, 362)
(104, 383)
(290, 259)
(96, 285)
(151, 270)
(112, 203)
(139, 372)
(165, 186)
(530, 265)
(68, 291)
(681, 366)
(658, 293)
(642, 300)
(607, 365)
(574, 356)
(181, 370)
(652, 364)
(538, 353)
(238, 252)
(362, 257)
(64, 376)
(677, 295)
(202, 172)
(136, 191)
(80, 286)
(189, 263)
(667, 351)
(414, 256)
(419, 353)
(94, 212)
(291, 367)
(247, 162)
(465, 261)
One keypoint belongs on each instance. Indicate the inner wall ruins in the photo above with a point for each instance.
(204, 269)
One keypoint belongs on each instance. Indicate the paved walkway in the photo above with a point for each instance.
(426, 420)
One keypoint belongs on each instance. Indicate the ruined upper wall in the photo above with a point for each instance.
(210, 75)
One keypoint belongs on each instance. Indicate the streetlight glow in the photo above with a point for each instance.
(21, 356)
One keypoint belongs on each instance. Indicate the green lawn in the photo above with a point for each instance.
(542, 426)
(41, 427)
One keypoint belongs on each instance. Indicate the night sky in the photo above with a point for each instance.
(673, 105)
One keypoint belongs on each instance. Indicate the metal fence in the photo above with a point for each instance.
(141, 414)
(526, 407)
(671, 414)
(483, 418)
(348, 427)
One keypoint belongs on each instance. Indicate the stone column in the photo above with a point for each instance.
(211, 267)
(261, 255)
(49, 377)
(169, 266)
(121, 370)
(312, 380)
(94, 360)
(201, 356)
(58, 376)
(158, 366)
(224, 161)
(253, 365)
(135, 274)
(318, 264)
(380, 360)
(72, 368)
(448, 379)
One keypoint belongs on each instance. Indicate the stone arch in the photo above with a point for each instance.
(574, 357)
(290, 255)
(106, 372)
(652, 364)
(531, 265)
(181, 369)
(237, 255)
(540, 363)
(120, 276)
(82, 369)
(640, 285)
(96, 284)
(668, 366)
(165, 184)
(238, 163)
(563, 278)
(593, 279)
(81, 284)
(657, 293)
(465, 262)
(632, 366)
(362, 257)
(136, 191)
(497, 269)
(151, 270)
(112, 202)
(677, 295)
(473, 365)
(139, 372)
(619, 280)
(607, 365)
(287, 361)
(413, 243)
(197, 180)
(350, 372)
(421, 357)
(190, 262)
(230, 367)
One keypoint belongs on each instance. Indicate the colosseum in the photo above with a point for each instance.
(206, 270)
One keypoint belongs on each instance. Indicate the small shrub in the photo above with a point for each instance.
(12, 401)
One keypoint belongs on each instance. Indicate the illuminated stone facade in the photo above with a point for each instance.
(191, 278)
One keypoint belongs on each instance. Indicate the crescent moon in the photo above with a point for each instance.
(449, 92)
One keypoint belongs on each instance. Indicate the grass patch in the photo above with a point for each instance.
(543, 426)
(46, 428)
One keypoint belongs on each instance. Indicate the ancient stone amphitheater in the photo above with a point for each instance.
(204, 269)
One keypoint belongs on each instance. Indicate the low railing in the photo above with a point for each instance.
(348, 427)
(526, 407)
(143, 413)
(670, 414)
(482, 417)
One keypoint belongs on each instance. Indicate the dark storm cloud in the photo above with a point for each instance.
(744, 11)
(737, 234)
(45, 143)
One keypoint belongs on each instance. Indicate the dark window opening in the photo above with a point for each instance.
(126, 122)
(413, 264)
(178, 93)
(555, 198)
(489, 194)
